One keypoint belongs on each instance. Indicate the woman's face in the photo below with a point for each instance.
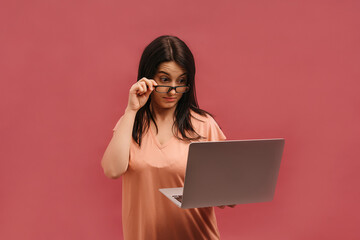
(169, 74)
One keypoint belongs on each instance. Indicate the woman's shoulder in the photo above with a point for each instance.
(206, 118)
(197, 117)
(202, 120)
(207, 126)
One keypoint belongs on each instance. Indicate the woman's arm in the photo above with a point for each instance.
(116, 157)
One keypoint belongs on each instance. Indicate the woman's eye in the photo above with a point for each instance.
(163, 79)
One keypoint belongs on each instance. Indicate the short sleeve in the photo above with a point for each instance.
(214, 132)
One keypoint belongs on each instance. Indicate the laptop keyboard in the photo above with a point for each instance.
(178, 197)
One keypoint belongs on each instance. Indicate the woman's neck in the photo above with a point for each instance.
(163, 114)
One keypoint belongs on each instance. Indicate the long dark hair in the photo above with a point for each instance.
(163, 49)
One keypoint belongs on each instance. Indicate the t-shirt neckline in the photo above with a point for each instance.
(157, 141)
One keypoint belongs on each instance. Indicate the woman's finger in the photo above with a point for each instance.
(139, 87)
(145, 86)
(154, 83)
(150, 83)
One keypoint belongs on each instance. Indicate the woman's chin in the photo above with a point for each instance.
(169, 105)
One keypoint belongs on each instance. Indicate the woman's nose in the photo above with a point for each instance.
(172, 92)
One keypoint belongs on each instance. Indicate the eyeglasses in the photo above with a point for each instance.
(166, 89)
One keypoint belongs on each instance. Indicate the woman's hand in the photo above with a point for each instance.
(140, 92)
(222, 206)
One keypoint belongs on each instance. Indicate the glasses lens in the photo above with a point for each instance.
(165, 89)
(162, 89)
(182, 89)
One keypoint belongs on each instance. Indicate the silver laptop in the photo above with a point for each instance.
(229, 172)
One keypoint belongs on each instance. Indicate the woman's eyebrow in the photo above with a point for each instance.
(169, 74)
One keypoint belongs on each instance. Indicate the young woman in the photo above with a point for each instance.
(150, 144)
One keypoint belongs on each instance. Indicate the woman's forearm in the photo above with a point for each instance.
(116, 157)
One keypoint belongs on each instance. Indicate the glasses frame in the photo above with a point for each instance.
(171, 88)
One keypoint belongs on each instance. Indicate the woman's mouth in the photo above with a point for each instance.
(170, 99)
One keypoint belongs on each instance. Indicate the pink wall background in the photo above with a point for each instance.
(264, 68)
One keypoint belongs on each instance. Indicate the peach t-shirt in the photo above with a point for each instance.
(146, 212)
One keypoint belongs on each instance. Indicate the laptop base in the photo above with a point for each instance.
(170, 192)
